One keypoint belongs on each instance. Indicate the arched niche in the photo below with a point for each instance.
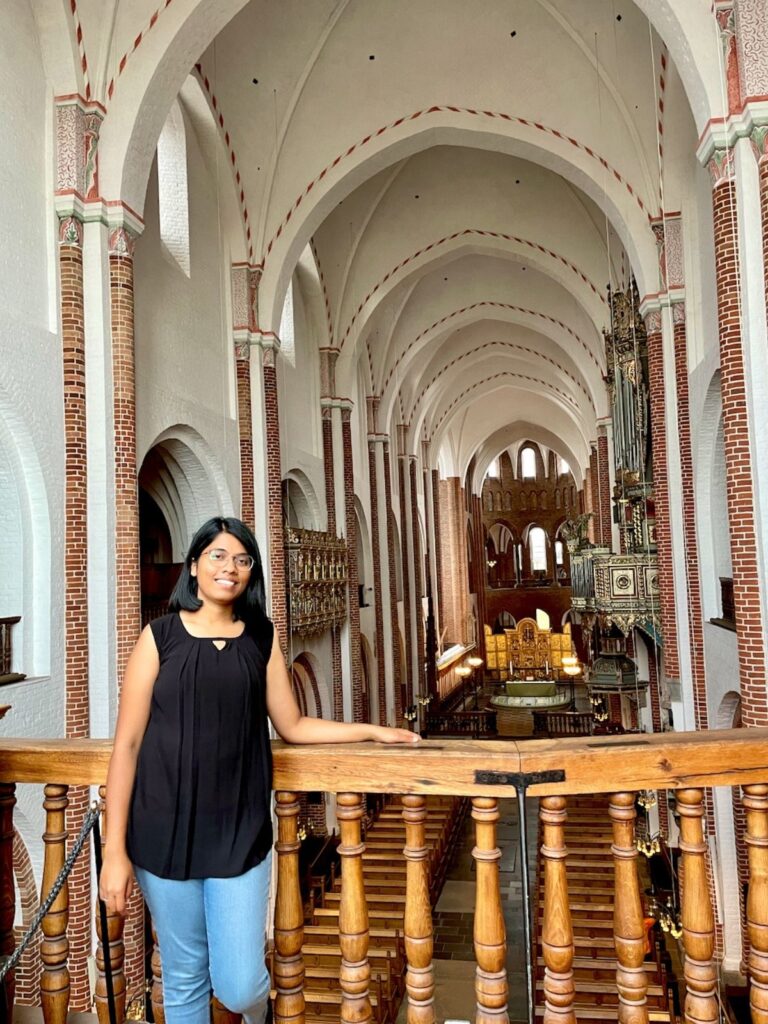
(185, 482)
(25, 517)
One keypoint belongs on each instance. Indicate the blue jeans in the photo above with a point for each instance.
(211, 935)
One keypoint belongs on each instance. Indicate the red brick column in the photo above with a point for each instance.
(76, 712)
(381, 682)
(438, 549)
(330, 485)
(661, 492)
(478, 559)
(407, 603)
(738, 463)
(128, 597)
(245, 430)
(396, 652)
(594, 523)
(418, 578)
(330, 507)
(604, 517)
(360, 709)
(278, 592)
(695, 614)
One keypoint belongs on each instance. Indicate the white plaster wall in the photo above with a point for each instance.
(184, 349)
(31, 408)
(299, 400)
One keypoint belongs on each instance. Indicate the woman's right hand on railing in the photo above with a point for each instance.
(116, 882)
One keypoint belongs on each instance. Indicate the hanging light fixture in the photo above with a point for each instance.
(571, 665)
(463, 671)
(475, 662)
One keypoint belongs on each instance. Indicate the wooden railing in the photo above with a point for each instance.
(484, 771)
(6, 650)
(469, 724)
(562, 723)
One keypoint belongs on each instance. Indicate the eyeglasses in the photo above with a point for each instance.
(220, 557)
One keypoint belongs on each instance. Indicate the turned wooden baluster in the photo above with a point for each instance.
(756, 806)
(491, 988)
(289, 914)
(115, 925)
(7, 892)
(417, 923)
(628, 930)
(54, 949)
(156, 990)
(355, 973)
(557, 930)
(221, 1015)
(698, 919)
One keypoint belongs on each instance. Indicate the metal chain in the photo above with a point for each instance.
(90, 820)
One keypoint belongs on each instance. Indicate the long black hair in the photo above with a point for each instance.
(250, 607)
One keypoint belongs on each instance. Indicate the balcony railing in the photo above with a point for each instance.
(6, 650)
(484, 771)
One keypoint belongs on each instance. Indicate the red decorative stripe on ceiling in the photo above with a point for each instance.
(470, 112)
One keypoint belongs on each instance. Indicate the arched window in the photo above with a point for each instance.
(173, 192)
(562, 467)
(287, 342)
(558, 552)
(528, 464)
(493, 469)
(537, 542)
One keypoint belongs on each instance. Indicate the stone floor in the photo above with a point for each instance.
(454, 956)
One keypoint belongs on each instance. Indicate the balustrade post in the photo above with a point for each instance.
(417, 922)
(115, 924)
(756, 807)
(156, 991)
(221, 1015)
(54, 949)
(557, 930)
(490, 937)
(628, 930)
(355, 973)
(289, 914)
(697, 916)
(7, 891)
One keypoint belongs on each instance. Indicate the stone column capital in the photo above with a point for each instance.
(721, 166)
(372, 409)
(78, 124)
(328, 358)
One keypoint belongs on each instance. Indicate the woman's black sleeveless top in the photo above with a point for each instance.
(201, 800)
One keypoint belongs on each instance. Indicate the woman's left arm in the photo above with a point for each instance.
(294, 727)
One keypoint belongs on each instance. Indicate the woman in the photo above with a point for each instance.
(188, 788)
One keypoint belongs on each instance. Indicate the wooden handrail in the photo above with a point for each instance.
(589, 764)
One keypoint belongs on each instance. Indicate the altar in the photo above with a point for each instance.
(515, 705)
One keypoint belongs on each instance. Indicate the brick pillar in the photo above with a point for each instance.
(407, 599)
(128, 596)
(375, 441)
(695, 614)
(478, 558)
(245, 282)
(604, 516)
(277, 589)
(418, 579)
(360, 709)
(381, 682)
(738, 463)
(76, 711)
(661, 492)
(594, 523)
(245, 430)
(330, 506)
(396, 652)
(438, 597)
(454, 558)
